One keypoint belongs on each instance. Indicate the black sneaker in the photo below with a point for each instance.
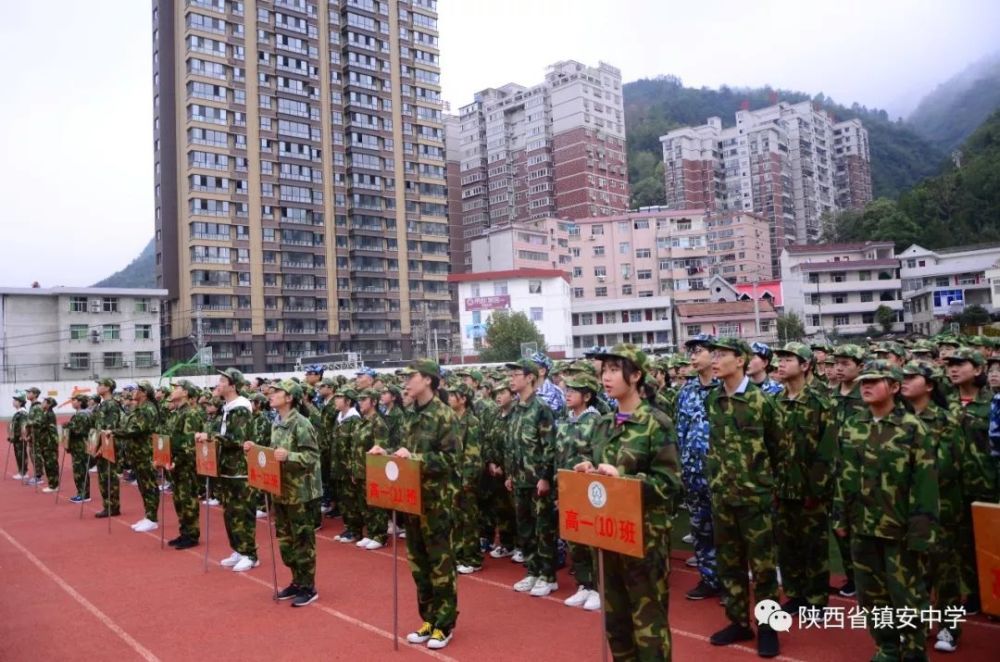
(104, 513)
(702, 591)
(731, 634)
(848, 590)
(173, 541)
(972, 605)
(767, 642)
(306, 596)
(187, 543)
(289, 592)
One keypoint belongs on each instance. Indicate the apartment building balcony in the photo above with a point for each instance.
(851, 307)
(830, 287)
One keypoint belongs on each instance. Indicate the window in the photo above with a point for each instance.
(586, 319)
(78, 304)
(596, 229)
(941, 281)
(642, 252)
(814, 278)
(868, 318)
(598, 251)
(840, 298)
(536, 314)
(624, 247)
(693, 329)
(143, 331)
(79, 361)
(866, 297)
(143, 359)
(535, 287)
(814, 299)
(499, 288)
(911, 264)
(626, 290)
(113, 360)
(645, 293)
(841, 320)
(644, 274)
(577, 272)
(109, 304)
(577, 292)
(112, 332)
(600, 272)
(600, 292)
(814, 320)
(729, 329)
(864, 275)
(77, 331)
(838, 278)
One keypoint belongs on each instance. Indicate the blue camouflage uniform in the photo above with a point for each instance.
(548, 392)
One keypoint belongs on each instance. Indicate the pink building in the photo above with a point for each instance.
(539, 244)
(739, 246)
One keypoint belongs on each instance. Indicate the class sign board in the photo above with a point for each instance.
(108, 447)
(393, 483)
(93, 442)
(205, 459)
(986, 524)
(161, 451)
(601, 511)
(263, 470)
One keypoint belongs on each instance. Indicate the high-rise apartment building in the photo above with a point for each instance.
(300, 178)
(790, 163)
(556, 149)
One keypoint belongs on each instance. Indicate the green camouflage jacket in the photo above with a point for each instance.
(185, 422)
(230, 430)
(470, 437)
(343, 433)
(370, 431)
(808, 461)
(745, 445)
(643, 447)
(495, 439)
(573, 434)
(261, 426)
(848, 405)
(328, 423)
(888, 486)
(946, 433)
(394, 420)
(18, 423)
(300, 473)
(138, 425)
(979, 473)
(79, 427)
(107, 416)
(531, 444)
(431, 436)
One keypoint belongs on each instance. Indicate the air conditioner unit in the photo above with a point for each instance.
(154, 308)
(592, 237)
(601, 279)
(626, 276)
(95, 306)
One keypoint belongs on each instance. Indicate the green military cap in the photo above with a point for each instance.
(95, 398)
(737, 345)
(426, 367)
(991, 341)
(82, 398)
(234, 376)
(107, 381)
(850, 351)
(500, 385)
(679, 361)
(51, 401)
(367, 393)
(880, 369)
(148, 389)
(967, 354)
(801, 350)
(290, 387)
(923, 347)
(33, 389)
(585, 367)
(947, 339)
(925, 369)
(347, 392)
(259, 398)
(20, 397)
(821, 346)
(190, 388)
(629, 353)
(462, 388)
(891, 347)
(328, 382)
(582, 381)
(395, 390)
(526, 365)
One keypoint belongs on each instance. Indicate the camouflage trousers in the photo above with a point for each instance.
(139, 455)
(238, 514)
(352, 505)
(325, 456)
(583, 558)
(81, 465)
(429, 550)
(185, 492)
(636, 595)
(536, 531)
(296, 532)
(496, 511)
(945, 573)
(844, 547)
(107, 479)
(966, 545)
(700, 510)
(467, 551)
(804, 551)
(744, 538)
(376, 519)
(48, 453)
(20, 451)
(889, 575)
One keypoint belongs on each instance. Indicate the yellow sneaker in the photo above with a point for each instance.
(421, 635)
(439, 639)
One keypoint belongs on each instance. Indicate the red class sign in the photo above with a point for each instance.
(488, 303)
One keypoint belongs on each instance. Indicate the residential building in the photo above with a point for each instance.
(782, 162)
(739, 247)
(839, 287)
(70, 333)
(943, 282)
(301, 186)
(541, 294)
(764, 290)
(539, 244)
(607, 322)
(741, 319)
(556, 149)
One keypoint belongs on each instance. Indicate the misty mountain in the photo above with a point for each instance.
(950, 113)
(141, 272)
(900, 156)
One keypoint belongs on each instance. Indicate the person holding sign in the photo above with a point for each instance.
(431, 436)
(293, 439)
(185, 422)
(79, 427)
(106, 417)
(638, 441)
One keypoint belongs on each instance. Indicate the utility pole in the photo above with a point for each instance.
(756, 308)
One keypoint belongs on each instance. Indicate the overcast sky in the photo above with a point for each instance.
(76, 175)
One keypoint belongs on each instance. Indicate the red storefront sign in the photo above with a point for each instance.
(498, 302)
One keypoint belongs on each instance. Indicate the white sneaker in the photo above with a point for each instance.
(526, 584)
(146, 525)
(261, 514)
(517, 556)
(210, 502)
(17, 476)
(593, 602)
(542, 588)
(363, 542)
(139, 522)
(464, 569)
(945, 641)
(402, 534)
(691, 562)
(336, 538)
(373, 545)
(390, 530)
(500, 552)
(578, 598)
(245, 563)
(231, 560)
(50, 490)
(93, 470)
(437, 644)
(688, 539)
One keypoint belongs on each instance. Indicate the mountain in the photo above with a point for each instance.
(900, 156)
(141, 272)
(950, 113)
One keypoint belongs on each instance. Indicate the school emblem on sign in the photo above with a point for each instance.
(159, 443)
(597, 495)
(392, 471)
(204, 450)
(261, 459)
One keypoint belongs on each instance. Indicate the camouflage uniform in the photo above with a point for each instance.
(551, 395)
(185, 422)
(79, 427)
(350, 494)
(770, 386)
(846, 406)
(743, 453)
(47, 442)
(979, 476)
(573, 443)
(106, 417)
(18, 425)
(371, 431)
(324, 433)
(486, 490)
(467, 551)
(229, 431)
(135, 431)
(499, 514)
(888, 493)
(431, 436)
(34, 423)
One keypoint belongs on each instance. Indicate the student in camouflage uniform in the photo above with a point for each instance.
(46, 437)
(485, 409)
(343, 438)
(431, 436)
(371, 431)
(573, 437)
(391, 409)
(18, 430)
(759, 367)
(499, 513)
(888, 493)
(637, 442)
(293, 439)
(135, 431)
(468, 554)
(79, 427)
(324, 433)
(805, 481)
(743, 454)
(230, 431)
(531, 456)
(186, 421)
(106, 418)
(979, 469)
(546, 391)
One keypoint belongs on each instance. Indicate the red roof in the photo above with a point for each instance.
(723, 308)
(771, 287)
(829, 248)
(511, 273)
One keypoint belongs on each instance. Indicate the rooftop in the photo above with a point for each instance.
(722, 308)
(89, 291)
(848, 265)
(801, 249)
(510, 273)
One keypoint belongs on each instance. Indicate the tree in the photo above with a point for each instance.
(973, 316)
(790, 328)
(886, 317)
(504, 334)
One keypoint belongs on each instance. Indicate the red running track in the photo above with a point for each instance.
(72, 591)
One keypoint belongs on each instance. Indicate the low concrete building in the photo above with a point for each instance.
(741, 319)
(68, 333)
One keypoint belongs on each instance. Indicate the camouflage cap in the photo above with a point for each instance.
(542, 360)
(369, 393)
(328, 382)
(880, 369)
(737, 345)
(395, 390)
(678, 361)
(367, 372)
(33, 389)
(585, 367)
(925, 369)
(107, 381)
(427, 367)
(82, 398)
(821, 346)
(581, 381)
(967, 354)
(347, 392)
(292, 389)
(164, 389)
(630, 353)
(314, 369)
(234, 376)
(700, 339)
(500, 385)
(923, 347)
(51, 401)
(801, 350)
(891, 347)
(20, 396)
(947, 339)
(461, 388)
(475, 374)
(259, 398)
(850, 351)
(527, 365)
(763, 350)
(192, 390)
(147, 388)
